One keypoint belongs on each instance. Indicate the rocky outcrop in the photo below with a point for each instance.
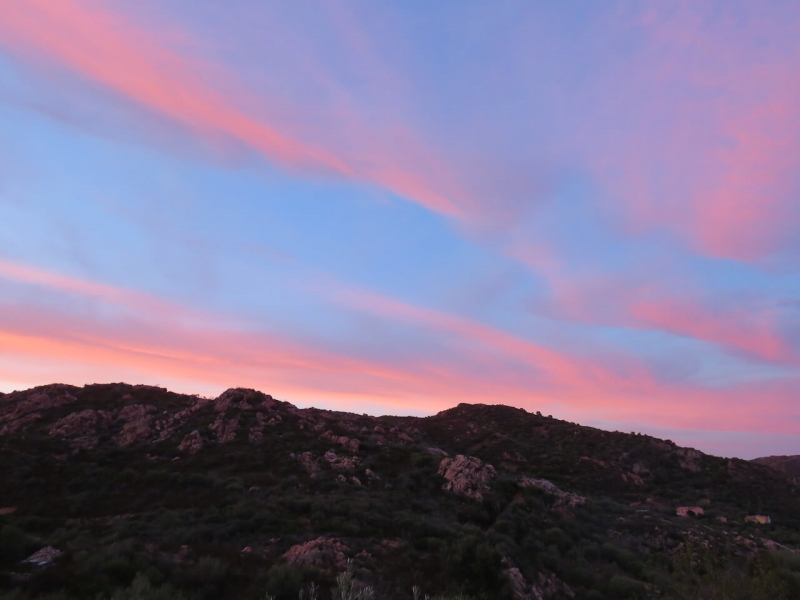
(19, 410)
(44, 557)
(350, 444)
(138, 419)
(257, 430)
(520, 587)
(308, 462)
(325, 553)
(550, 586)
(225, 428)
(341, 463)
(243, 399)
(81, 428)
(689, 458)
(563, 499)
(192, 442)
(467, 476)
(633, 478)
(20, 424)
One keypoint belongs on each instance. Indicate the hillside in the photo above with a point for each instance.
(786, 464)
(141, 492)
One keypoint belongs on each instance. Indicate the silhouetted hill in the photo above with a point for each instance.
(245, 495)
(786, 464)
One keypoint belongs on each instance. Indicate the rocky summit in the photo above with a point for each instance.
(123, 491)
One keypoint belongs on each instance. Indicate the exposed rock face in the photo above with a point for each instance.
(243, 399)
(689, 511)
(257, 430)
(138, 418)
(308, 462)
(20, 424)
(350, 444)
(192, 442)
(689, 458)
(520, 587)
(326, 553)
(550, 586)
(75, 424)
(563, 499)
(81, 427)
(43, 557)
(467, 475)
(341, 463)
(633, 478)
(225, 428)
(19, 410)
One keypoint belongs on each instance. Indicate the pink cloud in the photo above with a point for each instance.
(114, 52)
(733, 321)
(148, 344)
(700, 131)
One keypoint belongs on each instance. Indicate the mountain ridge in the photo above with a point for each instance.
(555, 508)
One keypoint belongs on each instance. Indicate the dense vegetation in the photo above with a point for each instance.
(97, 473)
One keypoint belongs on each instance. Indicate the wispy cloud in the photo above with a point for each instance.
(114, 52)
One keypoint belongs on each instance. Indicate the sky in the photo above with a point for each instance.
(588, 209)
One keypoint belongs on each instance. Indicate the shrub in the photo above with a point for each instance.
(13, 544)
(622, 587)
(284, 581)
(474, 563)
(142, 589)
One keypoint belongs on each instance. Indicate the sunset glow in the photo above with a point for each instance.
(589, 210)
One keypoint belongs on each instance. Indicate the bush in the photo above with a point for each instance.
(284, 581)
(626, 559)
(142, 589)
(13, 544)
(622, 587)
(474, 563)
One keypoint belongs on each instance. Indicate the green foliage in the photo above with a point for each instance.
(700, 574)
(133, 522)
(14, 544)
(142, 589)
(474, 563)
(284, 581)
(348, 588)
(626, 559)
(623, 587)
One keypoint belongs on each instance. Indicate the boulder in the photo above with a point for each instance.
(326, 553)
(44, 557)
(341, 463)
(192, 442)
(467, 475)
(138, 418)
(225, 428)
